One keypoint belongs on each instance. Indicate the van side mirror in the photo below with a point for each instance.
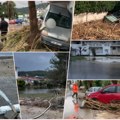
(50, 23)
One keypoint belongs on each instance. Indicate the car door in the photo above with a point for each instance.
(117, 95)
(108, 94)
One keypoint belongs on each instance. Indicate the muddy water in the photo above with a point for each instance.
(36, 91)
(99, 69)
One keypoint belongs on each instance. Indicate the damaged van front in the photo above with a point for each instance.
(57, 26)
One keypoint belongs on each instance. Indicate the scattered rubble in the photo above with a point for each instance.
(58, 102)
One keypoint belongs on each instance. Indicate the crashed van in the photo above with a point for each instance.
(113, 18)
(57, 24)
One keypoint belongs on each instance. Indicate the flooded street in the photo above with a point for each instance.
(101, 68)
(72, 109)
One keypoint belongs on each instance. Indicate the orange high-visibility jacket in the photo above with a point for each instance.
(75, 88)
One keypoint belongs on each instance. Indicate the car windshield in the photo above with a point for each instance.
(117, 14)
(61, 20)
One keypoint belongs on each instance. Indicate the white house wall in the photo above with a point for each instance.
(102, 48)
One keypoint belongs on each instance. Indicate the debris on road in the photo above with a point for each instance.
(94, 104)
(96, 30)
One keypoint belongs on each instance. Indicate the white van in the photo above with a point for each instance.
(57, 24)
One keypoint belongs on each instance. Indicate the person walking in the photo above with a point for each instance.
(3, 29)
(75, 90)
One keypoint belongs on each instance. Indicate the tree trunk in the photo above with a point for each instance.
(33, 22)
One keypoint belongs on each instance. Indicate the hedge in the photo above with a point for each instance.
(96, 6)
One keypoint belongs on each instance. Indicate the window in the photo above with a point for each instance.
(61, 21)
(114, 48)
(118, 89)
(110, 89)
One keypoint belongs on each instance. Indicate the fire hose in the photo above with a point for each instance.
(46, 108)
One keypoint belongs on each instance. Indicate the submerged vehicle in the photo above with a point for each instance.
(57, 24)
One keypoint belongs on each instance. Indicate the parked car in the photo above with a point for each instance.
(114, 17)
(108, 94)
(12, 21)
(19, 21)
(92, 90)
(57, 24)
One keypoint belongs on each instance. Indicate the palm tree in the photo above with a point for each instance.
(9, 9)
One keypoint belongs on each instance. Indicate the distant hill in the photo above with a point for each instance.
(25, 10)
(33, 73)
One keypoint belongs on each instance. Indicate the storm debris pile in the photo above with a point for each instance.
(17, 40)
(96, 30)
(56, 103)
(94, 104)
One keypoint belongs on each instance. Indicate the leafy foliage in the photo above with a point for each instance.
(7, 9)
(100, 83)
(96, 6)
(21, 84)
(59, 69)
(32, 73)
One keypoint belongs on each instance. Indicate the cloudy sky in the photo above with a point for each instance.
(33, 61)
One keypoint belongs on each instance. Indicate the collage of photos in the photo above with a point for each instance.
(59, 59)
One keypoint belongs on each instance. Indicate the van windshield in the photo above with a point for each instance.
(61, 20)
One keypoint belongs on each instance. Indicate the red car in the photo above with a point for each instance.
(107, 94)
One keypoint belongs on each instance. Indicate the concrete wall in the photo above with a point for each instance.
(81, 18)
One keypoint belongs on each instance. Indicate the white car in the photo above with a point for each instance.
(92, 90)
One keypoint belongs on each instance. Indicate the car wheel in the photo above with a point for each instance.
(95, 99)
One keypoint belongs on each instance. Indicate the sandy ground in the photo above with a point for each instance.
(107, 115)
(28, 112)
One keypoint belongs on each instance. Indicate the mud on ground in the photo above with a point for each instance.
(28, 112)
(31, 107)
(96, 30)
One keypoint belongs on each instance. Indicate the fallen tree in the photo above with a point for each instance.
(19, 41)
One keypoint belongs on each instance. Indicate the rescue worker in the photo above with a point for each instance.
(75, 90)
(3, 28)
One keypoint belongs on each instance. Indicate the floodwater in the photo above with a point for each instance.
(72, 109)
(36, 91)
(101, 68)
